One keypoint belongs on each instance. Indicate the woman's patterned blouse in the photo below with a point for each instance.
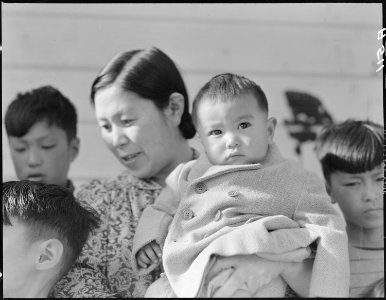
(103, 270)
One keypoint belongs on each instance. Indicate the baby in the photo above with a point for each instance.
(242, 197)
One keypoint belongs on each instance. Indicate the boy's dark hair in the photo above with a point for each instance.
(50, 211)
(225, 87)
(45, 103)
(352, 147)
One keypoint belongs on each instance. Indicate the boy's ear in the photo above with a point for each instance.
(74, 148)
(50, 254)
(175, 108)
(271, 126)
(328, 189)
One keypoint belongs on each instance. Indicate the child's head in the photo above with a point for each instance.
(44, 230)
(351, 155)
(230, 113)
(41, 128)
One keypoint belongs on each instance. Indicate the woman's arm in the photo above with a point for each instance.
(298, 276)
(255, 272)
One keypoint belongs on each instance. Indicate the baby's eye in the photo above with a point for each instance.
(351, 184)
(244, 125)
(380, 179)
(215, 132)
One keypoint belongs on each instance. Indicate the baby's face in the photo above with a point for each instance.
(235, 133)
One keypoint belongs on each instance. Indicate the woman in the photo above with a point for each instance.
(141, 106)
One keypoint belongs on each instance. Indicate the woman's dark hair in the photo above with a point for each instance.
(149, 73)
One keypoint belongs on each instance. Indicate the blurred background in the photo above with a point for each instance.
(316, 62)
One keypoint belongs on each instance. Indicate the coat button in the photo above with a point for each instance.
(201, 188)
(218, 215)
(187, 214)
(233, 193)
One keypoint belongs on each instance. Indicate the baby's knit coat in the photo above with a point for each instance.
(275, 208)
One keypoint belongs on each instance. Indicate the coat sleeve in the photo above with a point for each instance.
(316, 213)
(156, 218)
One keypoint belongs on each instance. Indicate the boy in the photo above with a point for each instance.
(41, 130)
(242, 198)
(351, 155)
(44, 230)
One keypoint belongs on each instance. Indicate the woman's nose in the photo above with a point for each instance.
(119, 137)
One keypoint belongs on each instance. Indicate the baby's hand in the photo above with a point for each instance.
(148, 255)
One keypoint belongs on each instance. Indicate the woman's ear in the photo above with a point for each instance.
(49, 255)
(175, 109)
(271, 126)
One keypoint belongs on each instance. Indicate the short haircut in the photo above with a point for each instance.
(352, 146)
(45, 103)
(50, 211)
(225, 87)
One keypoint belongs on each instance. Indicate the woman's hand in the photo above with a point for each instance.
(249, 270)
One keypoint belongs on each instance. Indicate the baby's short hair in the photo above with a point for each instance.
(225, 87)
(45, 103)
(352, 146)
(50, 211)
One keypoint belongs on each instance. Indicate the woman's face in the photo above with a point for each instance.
(137, 132)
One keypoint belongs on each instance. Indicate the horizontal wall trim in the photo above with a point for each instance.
(63, 68)
(198, 20)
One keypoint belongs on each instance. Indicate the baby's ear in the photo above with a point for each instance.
(271, 126)
(50, 254)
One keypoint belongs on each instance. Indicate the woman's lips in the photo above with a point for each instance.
(130, 157)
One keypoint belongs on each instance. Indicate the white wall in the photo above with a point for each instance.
(328, 50)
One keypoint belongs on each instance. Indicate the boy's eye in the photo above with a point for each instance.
(244, 125)
(380, 179)
(351, 184)
(215, 132)
(48, 146)
(19, 150)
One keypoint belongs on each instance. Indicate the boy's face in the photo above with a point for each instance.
(18, 258)
(360, 197)
(236, 132)
(43, 154)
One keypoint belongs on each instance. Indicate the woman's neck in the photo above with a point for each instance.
(360, 237)
(182, 152)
